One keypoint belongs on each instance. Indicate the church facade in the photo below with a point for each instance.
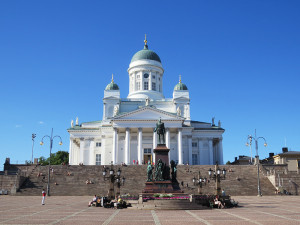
(125, 133)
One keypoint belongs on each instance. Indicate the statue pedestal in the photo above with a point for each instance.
(161, 152)
(166, 186)
(158, 187)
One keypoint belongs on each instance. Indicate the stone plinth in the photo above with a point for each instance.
(161, 152)
(165, 186)
(159, 187)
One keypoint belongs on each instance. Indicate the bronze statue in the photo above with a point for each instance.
(159, 170)
(174, 171)
(160, 130)
(149, 172)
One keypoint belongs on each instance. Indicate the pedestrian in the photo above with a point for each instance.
(223, 192)
(44, 196)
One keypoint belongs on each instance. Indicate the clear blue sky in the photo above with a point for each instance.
(239, 59)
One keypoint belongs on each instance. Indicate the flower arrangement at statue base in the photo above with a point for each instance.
(165, 197)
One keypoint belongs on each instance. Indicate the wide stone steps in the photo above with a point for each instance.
(169, 205)
(241, 181)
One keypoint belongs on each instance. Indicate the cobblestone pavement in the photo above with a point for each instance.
(265, 210)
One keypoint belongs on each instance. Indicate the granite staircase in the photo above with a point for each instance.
(71, 180)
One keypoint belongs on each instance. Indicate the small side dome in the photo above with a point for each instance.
(180, 86)
(112, 86)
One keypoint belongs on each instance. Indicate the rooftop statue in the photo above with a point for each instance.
(160, 130)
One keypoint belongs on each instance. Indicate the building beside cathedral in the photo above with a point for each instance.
(125, 133)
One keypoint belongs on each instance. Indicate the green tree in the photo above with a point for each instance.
(43, 161)
(56, 158)
(59, 158)
(228, 162)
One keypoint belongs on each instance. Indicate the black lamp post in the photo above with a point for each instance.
(112, 177)
(250, 138)
(216, 175)
(51, 143)
(199, 182)
(33, 137)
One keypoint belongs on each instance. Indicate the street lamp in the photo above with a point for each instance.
(250, 138)
(113, 178)
(51, 143)
(217, 176)
(199, 182)
(33, 137)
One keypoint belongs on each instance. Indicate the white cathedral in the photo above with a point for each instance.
(125, 133)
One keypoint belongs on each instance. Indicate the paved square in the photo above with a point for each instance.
(73, 210)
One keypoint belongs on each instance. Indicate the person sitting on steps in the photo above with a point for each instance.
(218, 203)
(94, 200)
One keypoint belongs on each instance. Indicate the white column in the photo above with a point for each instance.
(220, 151)
(71, 152)
(92, 160)
(104, 111)
(150, 80)
(103, 152)
(190, 151)
(81, 154)
(140, 145)
(127, 146)
(211, 151)
(180, 156)
(199, 154)
(142, 80)
(115, 146)
(201, 158)
(168, 141)
(154, 145)
(134, 80)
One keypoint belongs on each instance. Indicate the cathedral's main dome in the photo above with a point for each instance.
(145, 54)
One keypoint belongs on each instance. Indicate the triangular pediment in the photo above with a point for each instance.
(147, 113)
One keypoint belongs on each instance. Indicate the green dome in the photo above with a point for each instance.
(145, 54)
(112, 86)
(180, 86)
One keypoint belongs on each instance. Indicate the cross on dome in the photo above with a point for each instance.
(145, 41)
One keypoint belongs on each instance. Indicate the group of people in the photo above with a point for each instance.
(219, 203)
(112, 204)
(88, 181)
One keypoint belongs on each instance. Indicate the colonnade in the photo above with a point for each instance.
(140, 145)
(82, 150)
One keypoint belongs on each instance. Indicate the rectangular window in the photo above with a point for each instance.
(153, 76)
(138, 86)
(98, 144)
(147, 150)
(98, 159)
(299, 164)
(194, 144)
(194, 159)
(146, 85)
(137, 76)
(153, 86)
